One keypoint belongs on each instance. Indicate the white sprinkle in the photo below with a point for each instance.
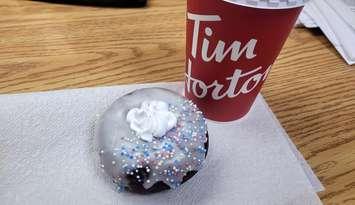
(113, 162)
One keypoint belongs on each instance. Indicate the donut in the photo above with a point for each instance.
(151, 140)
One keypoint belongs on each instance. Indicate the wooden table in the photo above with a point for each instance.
(312, 91)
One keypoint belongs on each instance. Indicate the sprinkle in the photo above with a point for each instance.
(170, 157)
(146, 153)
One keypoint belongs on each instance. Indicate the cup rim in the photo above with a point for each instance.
(264, 6)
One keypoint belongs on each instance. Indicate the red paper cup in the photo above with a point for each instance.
(230, 48)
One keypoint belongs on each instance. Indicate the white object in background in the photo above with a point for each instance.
(345, 10)
(338, 34)
(345, 33)
(46, 155)
(335, 24)
(307, 21)
(350, 3)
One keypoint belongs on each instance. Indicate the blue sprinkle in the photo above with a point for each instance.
(146, 153)
(168, 147)
(201, 149)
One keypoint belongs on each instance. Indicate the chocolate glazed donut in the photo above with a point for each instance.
(137, 187)
(152, 140)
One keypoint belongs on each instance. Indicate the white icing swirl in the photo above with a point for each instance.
(152, 119)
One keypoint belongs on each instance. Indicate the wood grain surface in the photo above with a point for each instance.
(311, 90)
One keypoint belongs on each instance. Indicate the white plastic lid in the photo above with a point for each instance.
(269, 4)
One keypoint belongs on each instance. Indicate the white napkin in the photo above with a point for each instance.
(46, 156)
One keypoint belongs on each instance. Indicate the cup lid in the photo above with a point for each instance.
(269, 4)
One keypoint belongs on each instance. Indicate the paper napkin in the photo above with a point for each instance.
(47, 156)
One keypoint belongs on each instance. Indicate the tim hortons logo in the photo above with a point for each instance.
(239, 82)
